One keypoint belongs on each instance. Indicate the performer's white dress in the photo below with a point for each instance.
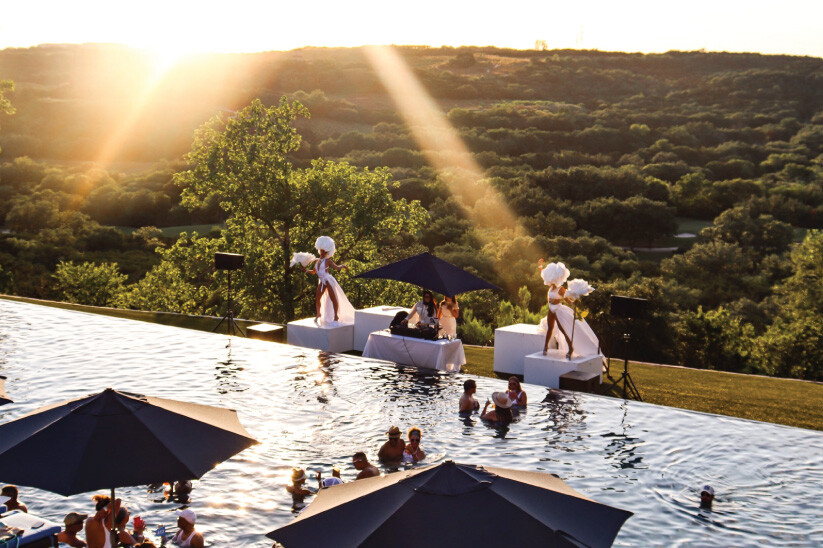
(448, 323)
(345, 311)
(585, 342)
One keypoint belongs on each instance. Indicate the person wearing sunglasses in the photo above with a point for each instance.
(364, 467)
(413, 453)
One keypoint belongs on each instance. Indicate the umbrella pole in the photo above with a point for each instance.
(113, 521)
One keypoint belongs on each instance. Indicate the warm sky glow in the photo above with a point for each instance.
(175, 27)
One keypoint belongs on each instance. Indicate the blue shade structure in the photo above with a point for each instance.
(77, 445)
(450, 504)
(429, 272)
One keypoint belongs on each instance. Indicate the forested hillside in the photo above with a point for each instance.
(692, 179)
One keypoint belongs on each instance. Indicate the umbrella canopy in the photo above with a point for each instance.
(3, 398)
(117, 439)
(453, 505)
(429, 272)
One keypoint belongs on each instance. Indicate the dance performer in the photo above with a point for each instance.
(328, 290)
(560, 323)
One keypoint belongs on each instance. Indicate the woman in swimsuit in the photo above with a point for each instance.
(412, 453)
(516, 394)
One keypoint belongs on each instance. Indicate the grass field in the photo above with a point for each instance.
(782, 401)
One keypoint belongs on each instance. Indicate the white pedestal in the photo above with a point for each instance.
(514, 342)
(546, 370)
(331, 338)
(376, 318)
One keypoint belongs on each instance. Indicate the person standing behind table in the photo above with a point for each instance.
(98, 526)
(424, 312)
(186, 536)
(516, 393)
(365, 468)
(73, 523)
(467, 401)
(413, 453)
(12, 493)
(502, 408)
(392, 450)
(447, 316)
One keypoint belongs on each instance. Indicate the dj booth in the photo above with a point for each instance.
(442, 354)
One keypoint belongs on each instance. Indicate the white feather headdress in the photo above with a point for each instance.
(555, 274)
(324, 243)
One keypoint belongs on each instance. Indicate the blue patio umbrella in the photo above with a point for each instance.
(427, 271)
(448, 505)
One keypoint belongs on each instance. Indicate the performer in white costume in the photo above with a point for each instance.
(559, 324)
(331, 303)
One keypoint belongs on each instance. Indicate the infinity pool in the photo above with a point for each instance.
(316, 410)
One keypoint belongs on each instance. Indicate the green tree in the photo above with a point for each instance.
(6, 86)
(276, 209)
(741, 225)
(89, 283)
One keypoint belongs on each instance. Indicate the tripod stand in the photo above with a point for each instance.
(231, 325)
(628, 384)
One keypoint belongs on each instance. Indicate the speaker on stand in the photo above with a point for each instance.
(627, 308)
(229, 262)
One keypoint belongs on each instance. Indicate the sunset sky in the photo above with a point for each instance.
(177, 27)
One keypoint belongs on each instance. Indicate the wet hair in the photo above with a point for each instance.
(9, 491)
(503, 414)
(516, 382)
(413, 430)
(360, 455)
(121, 515)
(431, 307)
(100, 501)
(469, 384)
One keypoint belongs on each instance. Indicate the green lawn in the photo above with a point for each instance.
(782, 401)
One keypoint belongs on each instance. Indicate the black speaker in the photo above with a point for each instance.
(628, 307)
(228, 261)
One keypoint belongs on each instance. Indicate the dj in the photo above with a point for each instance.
(423, 313)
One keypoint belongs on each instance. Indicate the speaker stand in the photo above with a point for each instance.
(231, 326)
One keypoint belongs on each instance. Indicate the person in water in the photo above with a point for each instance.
(73, 523)
(186, 536)
(707, 497)
(298, 489)
(502, 411)
(325, 483)
(412, 453)
(392, 450)
(467, 401)
(363, 466)
(98, 526)
(11, 492)
(516, 393)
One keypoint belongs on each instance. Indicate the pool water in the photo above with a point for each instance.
(315, 409)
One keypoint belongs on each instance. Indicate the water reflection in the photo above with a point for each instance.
(316, 410)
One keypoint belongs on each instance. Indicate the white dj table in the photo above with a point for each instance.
(368, 320)
(441, 354)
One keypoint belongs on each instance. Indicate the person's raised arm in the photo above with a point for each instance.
(336, 266)
(455, 309)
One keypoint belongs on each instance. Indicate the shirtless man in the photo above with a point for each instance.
(392, 450)
(74, 524)
(12, 493)
(467, 401)
(361, 463)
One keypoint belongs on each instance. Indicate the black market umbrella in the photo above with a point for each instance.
(117, 439)
(429, 272)
(452, 505)
(3, 398)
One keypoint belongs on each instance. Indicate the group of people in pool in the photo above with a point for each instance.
(502, 402)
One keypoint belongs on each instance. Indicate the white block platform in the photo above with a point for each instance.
(367, 320)
(513, 343)
(546, 370)
(331, 338)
